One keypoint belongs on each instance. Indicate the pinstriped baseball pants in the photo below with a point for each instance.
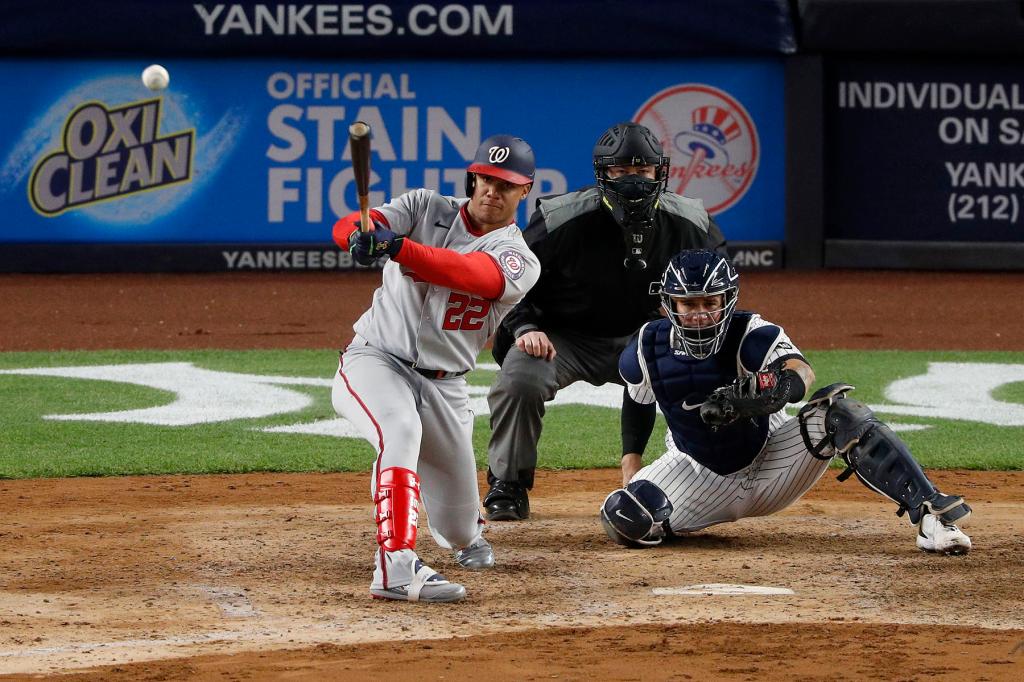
(780, 474)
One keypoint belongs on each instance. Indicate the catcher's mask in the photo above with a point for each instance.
(631, 199)
(699, 274)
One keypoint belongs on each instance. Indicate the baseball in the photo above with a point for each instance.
(155, 77)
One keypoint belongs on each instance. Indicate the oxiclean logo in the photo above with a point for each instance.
(108, 153)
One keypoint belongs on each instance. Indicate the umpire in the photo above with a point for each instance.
(601, 249)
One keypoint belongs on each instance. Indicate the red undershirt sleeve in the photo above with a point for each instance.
(474, 273)
(347, 224)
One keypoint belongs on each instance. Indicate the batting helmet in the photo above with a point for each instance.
(502, 156)
(695, 274)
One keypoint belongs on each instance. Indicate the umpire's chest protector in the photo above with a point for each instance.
(681, 383)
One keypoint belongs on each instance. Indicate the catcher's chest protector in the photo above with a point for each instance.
(682, 383)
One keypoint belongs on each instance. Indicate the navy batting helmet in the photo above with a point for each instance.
(698, 274)
(505, 157)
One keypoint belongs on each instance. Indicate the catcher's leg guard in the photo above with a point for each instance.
(823, 397)
(397, 508)
(881, 460)
(635, 516)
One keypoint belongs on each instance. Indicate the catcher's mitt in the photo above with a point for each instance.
(752, 395)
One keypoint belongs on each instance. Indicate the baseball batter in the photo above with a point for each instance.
(456, 267)
(722, 377)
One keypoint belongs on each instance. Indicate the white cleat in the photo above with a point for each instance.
(935, 536)
(477, 556)
(427, 585)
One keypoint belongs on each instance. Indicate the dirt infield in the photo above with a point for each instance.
(256, 576)
(829, 309)
(219, 577)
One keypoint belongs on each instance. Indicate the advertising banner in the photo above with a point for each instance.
(255, 152)
(399, 28)
(927, 152)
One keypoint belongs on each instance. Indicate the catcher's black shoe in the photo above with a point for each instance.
(506, 501)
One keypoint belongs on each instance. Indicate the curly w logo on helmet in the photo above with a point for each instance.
(497, 154)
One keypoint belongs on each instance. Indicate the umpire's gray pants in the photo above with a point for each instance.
(525, 383)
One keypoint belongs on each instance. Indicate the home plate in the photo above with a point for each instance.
(721, 588)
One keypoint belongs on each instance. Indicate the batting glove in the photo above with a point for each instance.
(367, 247)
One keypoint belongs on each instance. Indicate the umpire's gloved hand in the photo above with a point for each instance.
(367, 247)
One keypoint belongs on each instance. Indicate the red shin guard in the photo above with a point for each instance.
(397, 505)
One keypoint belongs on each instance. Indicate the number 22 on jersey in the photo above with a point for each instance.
(465, 312)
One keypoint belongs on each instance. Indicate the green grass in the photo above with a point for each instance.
(574, 436)
(1010, 393)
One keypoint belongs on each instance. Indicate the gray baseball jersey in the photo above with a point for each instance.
(433, 326)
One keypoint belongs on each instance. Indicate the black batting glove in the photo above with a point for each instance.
(367, 247)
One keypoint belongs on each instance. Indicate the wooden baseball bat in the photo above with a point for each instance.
(359, 144)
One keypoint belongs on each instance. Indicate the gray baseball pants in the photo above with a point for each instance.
(420, 424)
(525, 383)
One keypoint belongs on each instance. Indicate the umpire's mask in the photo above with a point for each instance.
(631, 199)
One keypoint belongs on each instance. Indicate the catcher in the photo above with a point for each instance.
(722, 378)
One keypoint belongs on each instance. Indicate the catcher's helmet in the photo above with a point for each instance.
(696, 274)
(502, 156)
(631, 198)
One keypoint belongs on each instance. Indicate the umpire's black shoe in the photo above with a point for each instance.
(506, 501)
